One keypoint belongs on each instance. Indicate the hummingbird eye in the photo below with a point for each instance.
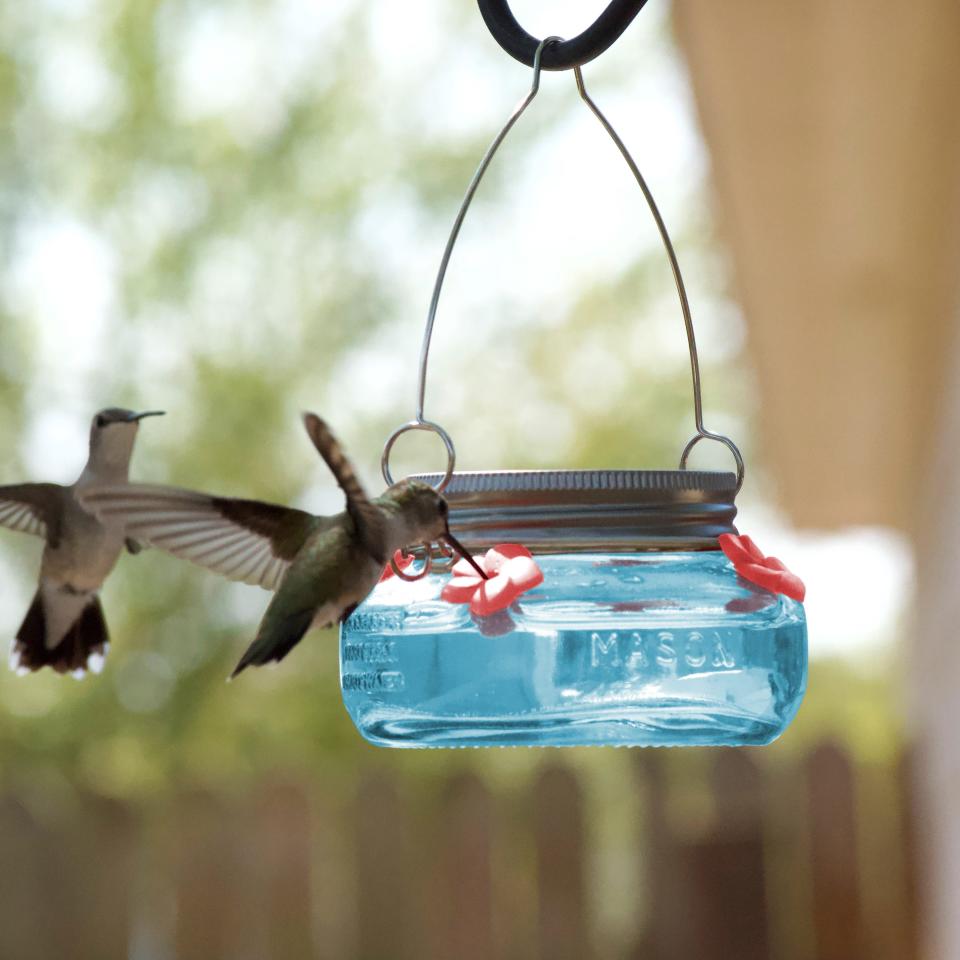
(101, 421)
(444, 508)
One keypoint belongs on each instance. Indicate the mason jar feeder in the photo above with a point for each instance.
(617, 607)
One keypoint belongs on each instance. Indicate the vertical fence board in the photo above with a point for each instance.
(882, 866)
(386, 924)
(216, 917)
(514, 866)
(837, 914)
(787, 864)
(664, 862)
(333, 874)
(460, 912)
(97, 878)
(28, 914)
(284, 837)
(727, 897)
(909, 831)
(558, 828)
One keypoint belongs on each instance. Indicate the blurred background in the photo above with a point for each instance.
(234, 211)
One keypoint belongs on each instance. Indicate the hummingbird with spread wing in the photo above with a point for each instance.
(320, 568)
(64, 627)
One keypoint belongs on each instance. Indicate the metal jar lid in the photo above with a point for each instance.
(581, 510)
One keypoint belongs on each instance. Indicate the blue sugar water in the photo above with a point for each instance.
(622, 649)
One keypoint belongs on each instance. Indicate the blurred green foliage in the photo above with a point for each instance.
(243, 284)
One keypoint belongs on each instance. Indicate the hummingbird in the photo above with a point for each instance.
(64, 627)
(321, 568)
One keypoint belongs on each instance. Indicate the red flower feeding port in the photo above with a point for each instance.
(767, 572)
(511, 570)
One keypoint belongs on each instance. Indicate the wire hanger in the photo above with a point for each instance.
(420, 422)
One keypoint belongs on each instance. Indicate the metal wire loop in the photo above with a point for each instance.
(448, 557)
(419, 423)
(429, 427)
(425, 553)
(726, 441)
(418, 574)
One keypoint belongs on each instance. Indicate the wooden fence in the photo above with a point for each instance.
(809, 860)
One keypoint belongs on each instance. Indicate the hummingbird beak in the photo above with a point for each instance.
(134, 417)
(459, 547)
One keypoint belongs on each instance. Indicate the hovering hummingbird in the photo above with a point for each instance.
(64, 627)
(320, 567)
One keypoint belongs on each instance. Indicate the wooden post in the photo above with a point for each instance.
(838, 193)
(934, 657)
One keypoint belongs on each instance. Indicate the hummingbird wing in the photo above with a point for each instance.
(33, 508)
(245, 540)
(367, 517)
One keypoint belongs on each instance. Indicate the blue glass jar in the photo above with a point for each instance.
(641, 634)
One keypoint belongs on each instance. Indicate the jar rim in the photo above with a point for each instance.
(582, 510)
(665, 481)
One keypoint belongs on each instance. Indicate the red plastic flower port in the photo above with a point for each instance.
(512, 571)
(401, 559)
(767, 572)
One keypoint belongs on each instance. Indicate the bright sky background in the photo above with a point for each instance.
(245, 68)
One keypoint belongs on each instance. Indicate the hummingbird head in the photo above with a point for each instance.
(112, 434)
(422, 510)
(425, 516)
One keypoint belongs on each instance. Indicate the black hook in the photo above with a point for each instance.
(561, 55)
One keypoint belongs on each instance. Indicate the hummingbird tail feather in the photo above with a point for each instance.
(275, 644)
(83, 647)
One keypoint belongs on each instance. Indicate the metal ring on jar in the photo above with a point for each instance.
(429, 427)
